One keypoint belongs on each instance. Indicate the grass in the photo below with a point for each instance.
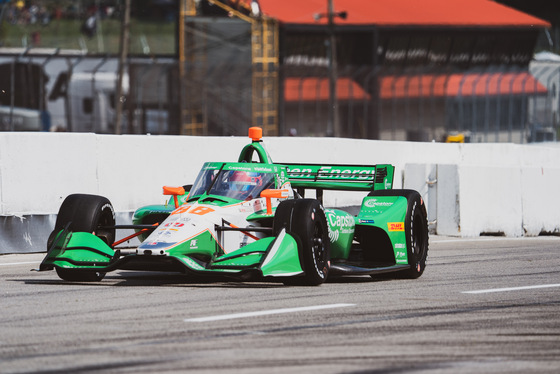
(159, 37)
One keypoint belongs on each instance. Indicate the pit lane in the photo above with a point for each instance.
(156, 322)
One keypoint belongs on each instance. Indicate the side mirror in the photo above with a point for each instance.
(269, 194)
(175, 191)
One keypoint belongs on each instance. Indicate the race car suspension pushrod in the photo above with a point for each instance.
(244, 230)
(146, 228)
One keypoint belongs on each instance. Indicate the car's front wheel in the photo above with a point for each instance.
(85, 213)
(305, 220)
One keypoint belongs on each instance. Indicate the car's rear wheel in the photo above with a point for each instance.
(416, 230)
(305, 220)
(85, 213)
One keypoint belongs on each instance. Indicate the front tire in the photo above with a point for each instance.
(85, 213)
(305, 219)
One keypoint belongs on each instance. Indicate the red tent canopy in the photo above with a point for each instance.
(477, 13)
(317, 89)
(396, 87)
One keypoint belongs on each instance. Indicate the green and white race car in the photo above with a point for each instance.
(250, 220)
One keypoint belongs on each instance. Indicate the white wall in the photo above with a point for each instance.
(480, 188)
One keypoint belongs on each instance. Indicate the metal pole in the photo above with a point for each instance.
(119, 99)
(181, 50)
(332, 125)
(4, 6)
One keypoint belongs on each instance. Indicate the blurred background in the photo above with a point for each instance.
(431, 70)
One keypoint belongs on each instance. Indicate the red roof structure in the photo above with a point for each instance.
(455, 13)
(487, 84)
(317, 89)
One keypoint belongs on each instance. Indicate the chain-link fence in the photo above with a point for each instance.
(77, 93)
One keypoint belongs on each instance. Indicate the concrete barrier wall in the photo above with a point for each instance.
(470, 189)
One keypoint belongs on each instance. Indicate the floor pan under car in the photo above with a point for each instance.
(368, 268)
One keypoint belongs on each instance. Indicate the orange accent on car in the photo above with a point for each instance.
(201, 210)
(175, 191)
(244, 232)
(132, 236)
(269, 194)
(255, 133)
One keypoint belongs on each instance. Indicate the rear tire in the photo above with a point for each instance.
(305, 220)
(416, 226)
(416, 229)
(85, 213)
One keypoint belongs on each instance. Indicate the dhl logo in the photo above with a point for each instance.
(395, 226)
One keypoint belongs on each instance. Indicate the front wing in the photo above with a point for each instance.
(268, 257)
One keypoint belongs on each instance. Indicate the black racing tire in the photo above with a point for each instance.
(416, 229)
(85, 213)
(305, 219)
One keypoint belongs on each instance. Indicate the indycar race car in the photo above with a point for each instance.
(250, 220)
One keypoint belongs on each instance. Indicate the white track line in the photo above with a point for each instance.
(512, 289)
(265, 312)
(20, 263)
(491, 239)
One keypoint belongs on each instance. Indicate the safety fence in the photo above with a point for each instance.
(43, 90)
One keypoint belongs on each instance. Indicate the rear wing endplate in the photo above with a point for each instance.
(341, 177)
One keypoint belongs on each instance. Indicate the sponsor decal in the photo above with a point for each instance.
(257, 205)
(366, 221)
(300, 173)
(330, 172)
(194, 244)
(345, 223)
(372, 203)
(263, 169)
(358, 174)
(333, 234)
(174, 224)
(339, 224)
(400, 246)
(395, 226)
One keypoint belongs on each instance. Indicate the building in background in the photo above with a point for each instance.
(386, 69)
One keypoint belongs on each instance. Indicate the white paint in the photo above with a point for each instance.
(266, 312)
(512, 289)
(489, 239)
(274, 248)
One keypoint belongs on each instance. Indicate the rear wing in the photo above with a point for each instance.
(341, 177)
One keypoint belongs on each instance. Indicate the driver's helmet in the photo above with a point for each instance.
(244, 181)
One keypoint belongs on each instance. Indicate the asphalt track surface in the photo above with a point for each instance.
(484, 305)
